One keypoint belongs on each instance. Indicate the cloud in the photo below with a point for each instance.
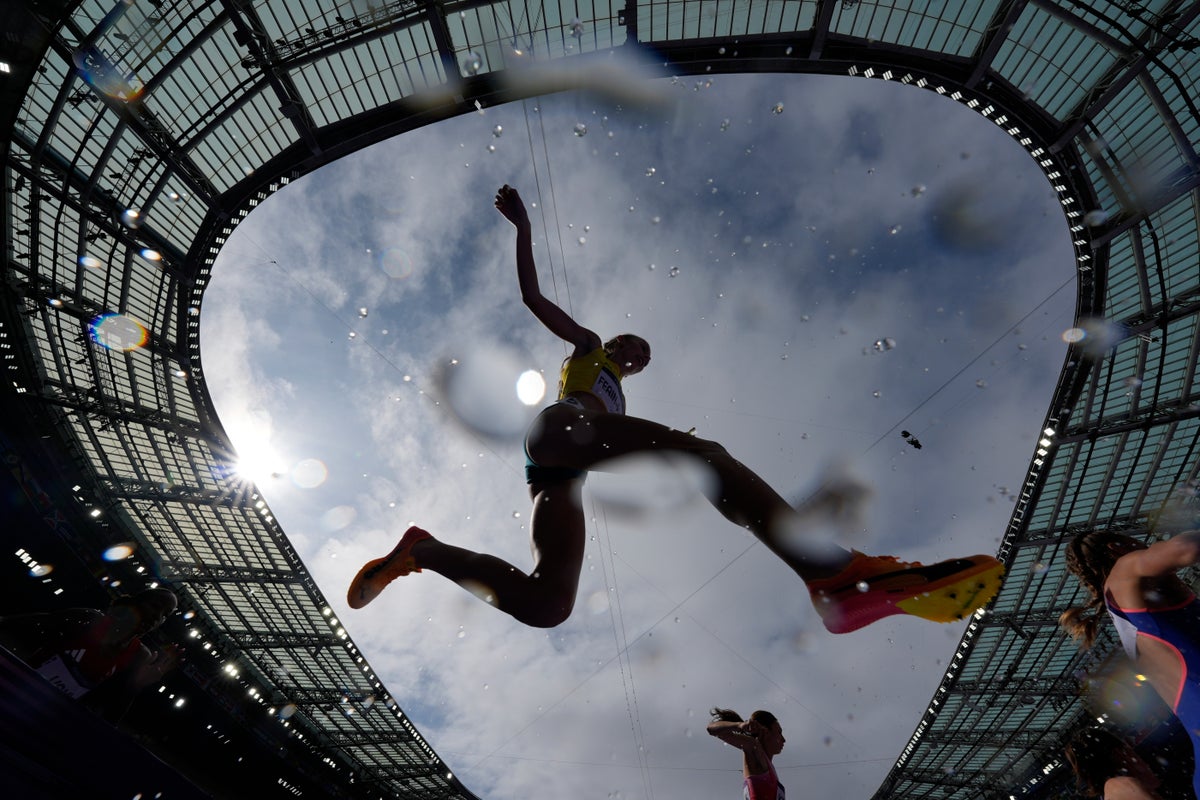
(775, 270)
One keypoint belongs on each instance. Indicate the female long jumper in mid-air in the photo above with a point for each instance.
(1156, 614)
(587, 426)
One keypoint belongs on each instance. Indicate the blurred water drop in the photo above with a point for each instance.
(895, 229)
(886, 343)
(650, 171)
(580, 129)
(362, 313)
(981, 384)
(673, 272)
(1096, 217)
(484, 388)
(118, 552)
(725, 124)
(877, 394)
(472, 63)
(777, 108)
(41, 570)
(498, 131)
(917, 190)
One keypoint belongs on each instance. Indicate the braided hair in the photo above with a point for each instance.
(1090, 559)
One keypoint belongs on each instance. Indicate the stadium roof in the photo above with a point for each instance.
(138, 135)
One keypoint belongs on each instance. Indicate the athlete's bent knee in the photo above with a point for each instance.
(551, 614)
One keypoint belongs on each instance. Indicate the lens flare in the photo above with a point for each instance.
(118, 552)
(118, 332)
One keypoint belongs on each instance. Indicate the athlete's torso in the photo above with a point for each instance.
(1176, 632)
(764, 786)
(593, 375)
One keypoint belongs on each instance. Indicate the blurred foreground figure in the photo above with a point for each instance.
(1105, 766)
(96, 656)
(587, 426)
(1156, 615)
(760, 739)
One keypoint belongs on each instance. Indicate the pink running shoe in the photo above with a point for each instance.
(873, 587)
(377, 574)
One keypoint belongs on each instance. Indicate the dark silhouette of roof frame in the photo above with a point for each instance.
(230, 100)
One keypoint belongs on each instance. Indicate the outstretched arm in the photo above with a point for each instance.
(1163, 558)
(559, 322)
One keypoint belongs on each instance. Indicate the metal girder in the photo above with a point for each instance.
(181, 571)
(988, 738)
(1130, 67)
(156, 137)
(276, 639)
(88, 202)
(821, 28)
(1178, 411)
(1002, 22)
(367, 738)
(251, 34)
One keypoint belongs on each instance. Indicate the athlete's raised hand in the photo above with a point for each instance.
(509, 203)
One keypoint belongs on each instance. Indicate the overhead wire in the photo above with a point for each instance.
(617, 617)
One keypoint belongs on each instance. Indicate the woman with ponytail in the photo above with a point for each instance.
(760, 739)
(1157, 616)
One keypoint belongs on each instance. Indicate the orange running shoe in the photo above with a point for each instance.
(873, 587)
(377, 574)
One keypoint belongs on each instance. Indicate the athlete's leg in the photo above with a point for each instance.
(849, 590)
(544, 597)
(569, 437)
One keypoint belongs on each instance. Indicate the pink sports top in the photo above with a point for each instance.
(763, 786)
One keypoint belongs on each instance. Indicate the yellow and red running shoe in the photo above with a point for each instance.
(377, 574)
(873, 587)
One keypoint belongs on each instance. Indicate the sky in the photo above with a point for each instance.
(818, 263)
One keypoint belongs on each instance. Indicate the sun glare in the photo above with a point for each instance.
(258, 464)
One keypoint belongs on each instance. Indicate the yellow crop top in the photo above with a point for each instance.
(596, 374)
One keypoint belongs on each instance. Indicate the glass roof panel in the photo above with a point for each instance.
(201, 87)
(1052, 63)
(243, 140)
(954, 28)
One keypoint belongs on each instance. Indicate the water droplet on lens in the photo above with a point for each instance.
(580, 129)
(777, 108)
(863, 586)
